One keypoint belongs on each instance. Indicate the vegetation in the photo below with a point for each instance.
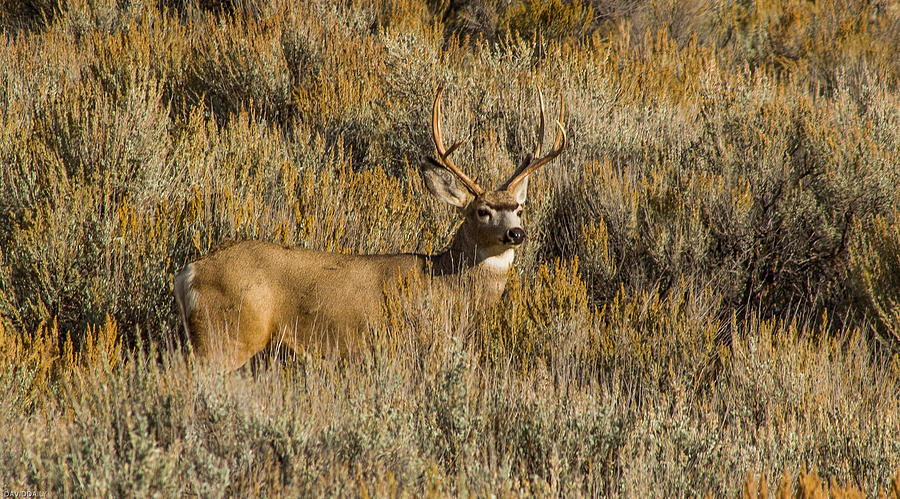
(709, 299)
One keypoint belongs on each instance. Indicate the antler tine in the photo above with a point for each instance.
(558, 145)
(444, 154)
(540, 137)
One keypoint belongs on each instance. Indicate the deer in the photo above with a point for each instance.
(239, 299)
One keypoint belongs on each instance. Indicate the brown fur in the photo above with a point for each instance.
(242, 297)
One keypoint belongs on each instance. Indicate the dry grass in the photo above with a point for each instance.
(708, 301)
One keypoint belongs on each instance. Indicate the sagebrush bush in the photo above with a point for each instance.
(707, 300)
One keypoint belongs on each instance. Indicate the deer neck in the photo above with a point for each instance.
(464, 254)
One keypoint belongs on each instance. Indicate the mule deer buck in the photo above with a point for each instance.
(239, 299)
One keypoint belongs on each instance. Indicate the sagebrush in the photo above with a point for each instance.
(708, 295)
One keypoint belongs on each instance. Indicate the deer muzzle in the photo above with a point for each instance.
(514, 236)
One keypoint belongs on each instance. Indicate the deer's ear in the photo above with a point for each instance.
(443, 184)
(520, 190)
(516, 186)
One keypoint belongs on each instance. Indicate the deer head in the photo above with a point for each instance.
(492, 219)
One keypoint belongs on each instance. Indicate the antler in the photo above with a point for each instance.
(444, 154)
(535, 161)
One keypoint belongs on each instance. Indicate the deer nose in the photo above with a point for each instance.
(515, 236)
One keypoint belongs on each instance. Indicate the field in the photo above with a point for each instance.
(708, 301)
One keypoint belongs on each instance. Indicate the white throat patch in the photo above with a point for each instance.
(499, 263)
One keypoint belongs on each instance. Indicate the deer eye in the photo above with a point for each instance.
(484, 212)
(519, 212)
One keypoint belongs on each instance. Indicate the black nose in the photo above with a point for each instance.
(515, 236)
